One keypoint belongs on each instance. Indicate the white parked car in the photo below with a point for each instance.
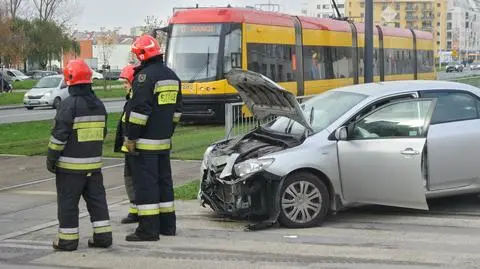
(14, 75)
(49, 91)
(96, 75)
(390, 143)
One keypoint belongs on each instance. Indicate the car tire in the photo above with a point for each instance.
(312, 187)
(56, 102)
(29, 107)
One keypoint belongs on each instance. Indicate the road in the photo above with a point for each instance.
(367, 237)
(456, 75)
(23, 115)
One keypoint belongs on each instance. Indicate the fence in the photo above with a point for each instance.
(238, 120)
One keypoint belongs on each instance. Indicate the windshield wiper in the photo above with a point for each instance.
(206, 65)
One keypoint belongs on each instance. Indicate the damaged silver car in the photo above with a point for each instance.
(360, 144)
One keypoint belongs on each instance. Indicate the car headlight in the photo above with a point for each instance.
(25, 96)
(251, 166)
(47, 94)
(205, 157)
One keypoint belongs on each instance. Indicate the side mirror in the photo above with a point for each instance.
(341, 134)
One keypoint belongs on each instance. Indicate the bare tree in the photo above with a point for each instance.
(14, 6)
(47, 8)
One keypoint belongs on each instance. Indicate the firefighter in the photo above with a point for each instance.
(75, 156)
(132, 217)
(151, 117)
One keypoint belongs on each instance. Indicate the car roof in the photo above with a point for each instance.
(378, 89)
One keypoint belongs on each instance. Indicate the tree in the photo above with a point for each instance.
(14, 6)
(46, 8)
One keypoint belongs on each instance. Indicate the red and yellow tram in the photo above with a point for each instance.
(304, 55)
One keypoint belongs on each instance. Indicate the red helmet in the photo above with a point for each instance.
(77, 72)
(127, 73)
(145, 47)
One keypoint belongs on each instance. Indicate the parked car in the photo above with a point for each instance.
(48, 91)
(475, 66)
(390, 143)
(113, 74)
(96, 75)
(13, 75)
(38, 74)
(454, 67)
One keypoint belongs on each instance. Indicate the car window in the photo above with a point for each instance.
(10, 73)
(396, 120)
(453, 106)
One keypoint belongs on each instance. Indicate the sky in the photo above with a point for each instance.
(94, 14)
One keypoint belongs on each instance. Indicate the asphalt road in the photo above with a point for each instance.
(367, 237)
(23, 115)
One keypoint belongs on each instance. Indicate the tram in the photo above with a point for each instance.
(304, 55)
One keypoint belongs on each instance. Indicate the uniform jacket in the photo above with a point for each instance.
(155, 108)
(80, 128)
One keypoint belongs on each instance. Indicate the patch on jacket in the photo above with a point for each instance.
(142, 78)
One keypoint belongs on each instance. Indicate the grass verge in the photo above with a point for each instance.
(474, 81)
(16, 98)
(187, 191)
(31, 138)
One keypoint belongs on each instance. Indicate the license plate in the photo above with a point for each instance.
(34, 102)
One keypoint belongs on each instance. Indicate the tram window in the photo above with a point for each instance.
(233, 50)
(275, 60)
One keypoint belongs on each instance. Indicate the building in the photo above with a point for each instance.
(463, 28)
(454, 23)
(323, 8)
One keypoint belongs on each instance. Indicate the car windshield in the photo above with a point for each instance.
(321, 111)
(17, 73)
(48, 82)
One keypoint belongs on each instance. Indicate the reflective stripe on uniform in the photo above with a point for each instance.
(166, 85)
(124, 149)
(56, 144)
(83, 125)
(124, 116)
(89, 118)
(80, 163)
(137, 118)
(133, 209)
(55, 147)
(68, 233)
(150, 144)
(166, 207)
(101, 230)
(100, 223)
(56, 141)
(102, 226)
(176, 117)
(148, 210)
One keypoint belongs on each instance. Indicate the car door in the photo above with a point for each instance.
(452, 141)
(380, 161)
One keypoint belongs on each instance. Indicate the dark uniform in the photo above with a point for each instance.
(128, 168)
(151, 117)
(75, 155)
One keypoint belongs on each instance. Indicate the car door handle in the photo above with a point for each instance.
(409, 151)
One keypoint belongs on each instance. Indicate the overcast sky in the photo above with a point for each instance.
(128, 13)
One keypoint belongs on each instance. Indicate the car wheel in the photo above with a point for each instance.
(304, 201)
(29, 107)
(56, 102)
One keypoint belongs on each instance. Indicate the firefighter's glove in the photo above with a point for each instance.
(51, 166)
(130, 145)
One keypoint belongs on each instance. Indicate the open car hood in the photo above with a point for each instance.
(265, 98)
